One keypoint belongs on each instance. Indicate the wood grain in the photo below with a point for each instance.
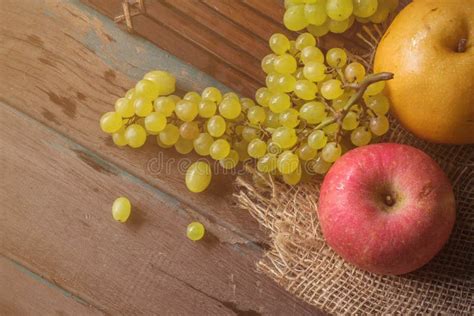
(66, 81)
(59, 224)
(24, 293)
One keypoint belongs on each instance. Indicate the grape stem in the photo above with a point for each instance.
(361, 87)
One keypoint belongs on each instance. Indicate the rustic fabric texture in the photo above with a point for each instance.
(301, 262)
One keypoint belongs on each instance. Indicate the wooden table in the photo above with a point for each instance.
(61, 66)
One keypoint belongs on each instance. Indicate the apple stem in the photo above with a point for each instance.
(389, 201)
(462, 45)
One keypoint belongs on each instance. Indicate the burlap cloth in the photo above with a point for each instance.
(300, 261)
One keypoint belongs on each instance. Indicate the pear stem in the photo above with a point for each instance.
(462, 45)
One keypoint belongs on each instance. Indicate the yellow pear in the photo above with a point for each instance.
(429, 48)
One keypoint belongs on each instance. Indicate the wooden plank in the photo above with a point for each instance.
(272, 9)
(250, 19)
(224, 32)
(56, 221)
(25, 293)
(66, 67)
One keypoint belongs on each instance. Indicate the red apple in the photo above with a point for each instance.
(386, 208)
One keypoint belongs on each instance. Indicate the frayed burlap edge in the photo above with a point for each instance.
(300, 261)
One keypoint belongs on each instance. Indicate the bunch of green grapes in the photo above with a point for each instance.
(336, 16)
(314, 107)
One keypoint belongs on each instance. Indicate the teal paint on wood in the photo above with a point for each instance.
(133, 55)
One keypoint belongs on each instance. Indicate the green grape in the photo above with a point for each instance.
(313, 112)
(142, 106)
(294, 18)
(121, 209)
(146, 89)
(350, 121)
(314, 71)
(289, 3)
(379, 104)
(207, 108)
(219, 149)
(246, 103)
(279, 102)
(249, 133)
(271, 81)
(331, 152)
(216, 126)
(211, 94)
(379, 125)
(189, 130)
(262, 96)
(284, 137)
(321, 166)
(298, 75)
(293, 50)
(312, 54)
(231, 95)
(354, 72)
(361, 136)
(293, 178)
(130, 94)
(319, 30)
(272, 119)
(306, 152)
(317, 139)
(184, 146)
(124, 107)
(279, 43)
(241, 149)
(381, 14)
(193, 97)
(202, 144)
(331, 129)
(365, 8)
(338, 104)
(267, 63)
(285, 64)
(289, 118)
(339, 10)
(111, 122)
(256, 115)
(273, 148)
(305, 89)
(332, 89)
(257, 148)
(175, 98)
(135, 135)
(315, 13)
(286, 83)
(336, 57)
(198, 178)
(160, 143)
(195, 231)
(119, 138)
(340, 26)
(305, 40)
(267, 163)
(155, 122)
(231, 161)
(287, 162)
(230, 108)
(165, 105)
(165, 81)
(362, 20)
(169, 135)
(375, 88)
(186, 110)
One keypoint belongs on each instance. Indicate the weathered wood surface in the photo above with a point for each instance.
(17, 284)
(61, 65)
(224, 38)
